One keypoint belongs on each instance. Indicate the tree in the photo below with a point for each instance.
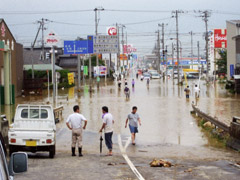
(222, 62)
(94, 61)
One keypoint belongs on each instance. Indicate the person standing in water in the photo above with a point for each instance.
(134, 120)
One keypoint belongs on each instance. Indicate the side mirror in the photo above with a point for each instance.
(18, 163)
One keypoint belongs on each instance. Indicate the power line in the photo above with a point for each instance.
(42, 12)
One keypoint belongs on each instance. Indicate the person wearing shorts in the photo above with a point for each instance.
(134, 120)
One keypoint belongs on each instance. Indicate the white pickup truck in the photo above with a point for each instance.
(33, 129)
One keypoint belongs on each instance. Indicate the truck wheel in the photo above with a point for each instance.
(11, 150)
(52, 151)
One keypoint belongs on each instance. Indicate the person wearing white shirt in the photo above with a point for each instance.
(74, 123)
(108, 128)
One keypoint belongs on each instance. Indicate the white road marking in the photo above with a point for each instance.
(123, 151)
(127, 143)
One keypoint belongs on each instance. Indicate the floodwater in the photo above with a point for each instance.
(163, 108)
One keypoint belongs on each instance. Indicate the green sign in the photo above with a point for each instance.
(85, 70)
(98, 79)
(1, 46)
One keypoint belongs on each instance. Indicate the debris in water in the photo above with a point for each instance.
(111, 164)
(160, 163)
(189, 170)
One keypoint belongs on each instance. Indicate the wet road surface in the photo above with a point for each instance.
(168, 132)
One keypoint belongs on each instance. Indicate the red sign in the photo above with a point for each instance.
(129, 49)
(220, 38)
(112, 31)
(52, 39)
(3, 29)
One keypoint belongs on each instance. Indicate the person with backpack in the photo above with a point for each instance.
(127, 92)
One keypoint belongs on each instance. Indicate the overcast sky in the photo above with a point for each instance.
(141, 35)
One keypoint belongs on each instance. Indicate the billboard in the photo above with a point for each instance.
(100, 70)
(220, 38)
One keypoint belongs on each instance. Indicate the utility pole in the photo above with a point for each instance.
(53, 76)
(163, 43)
(166, 63)
(205, 17)
(158, 52)
(173, 64)
(126, 48)
(123, 43)
(96, 33)
(177, 39)
(43, 55)
(198, 58)
(191, 33)
(79, 71)
(118, 54)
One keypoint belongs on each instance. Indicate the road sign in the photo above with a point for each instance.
(112, 31)
(58, 75)
(79, 47)
(52, 39)
(105, 44)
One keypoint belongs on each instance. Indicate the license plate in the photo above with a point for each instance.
(31, 143)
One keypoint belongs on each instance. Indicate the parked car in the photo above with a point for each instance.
(34, 129)
(146, 76)
(155, 75)
(18, 163)
(191, 76)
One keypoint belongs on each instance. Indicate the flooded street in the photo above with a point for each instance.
(168, 131)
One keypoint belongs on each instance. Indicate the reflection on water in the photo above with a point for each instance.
(164, 111)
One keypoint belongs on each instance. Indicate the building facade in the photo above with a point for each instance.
(16, 58)
(233, 48)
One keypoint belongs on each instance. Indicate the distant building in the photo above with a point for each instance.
(16, 71)
(34, 56)
(233, 48)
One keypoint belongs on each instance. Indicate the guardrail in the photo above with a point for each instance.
(233, 129)
(58, 113)
(211, 119)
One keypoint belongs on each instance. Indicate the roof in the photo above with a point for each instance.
(41, 67)
(2, 21)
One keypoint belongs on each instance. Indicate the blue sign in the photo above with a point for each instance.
(79, 47)
(231, 70)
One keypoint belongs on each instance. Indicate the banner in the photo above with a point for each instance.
(101, 71)
(220, 38)
(70, 78)
(85, 71)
